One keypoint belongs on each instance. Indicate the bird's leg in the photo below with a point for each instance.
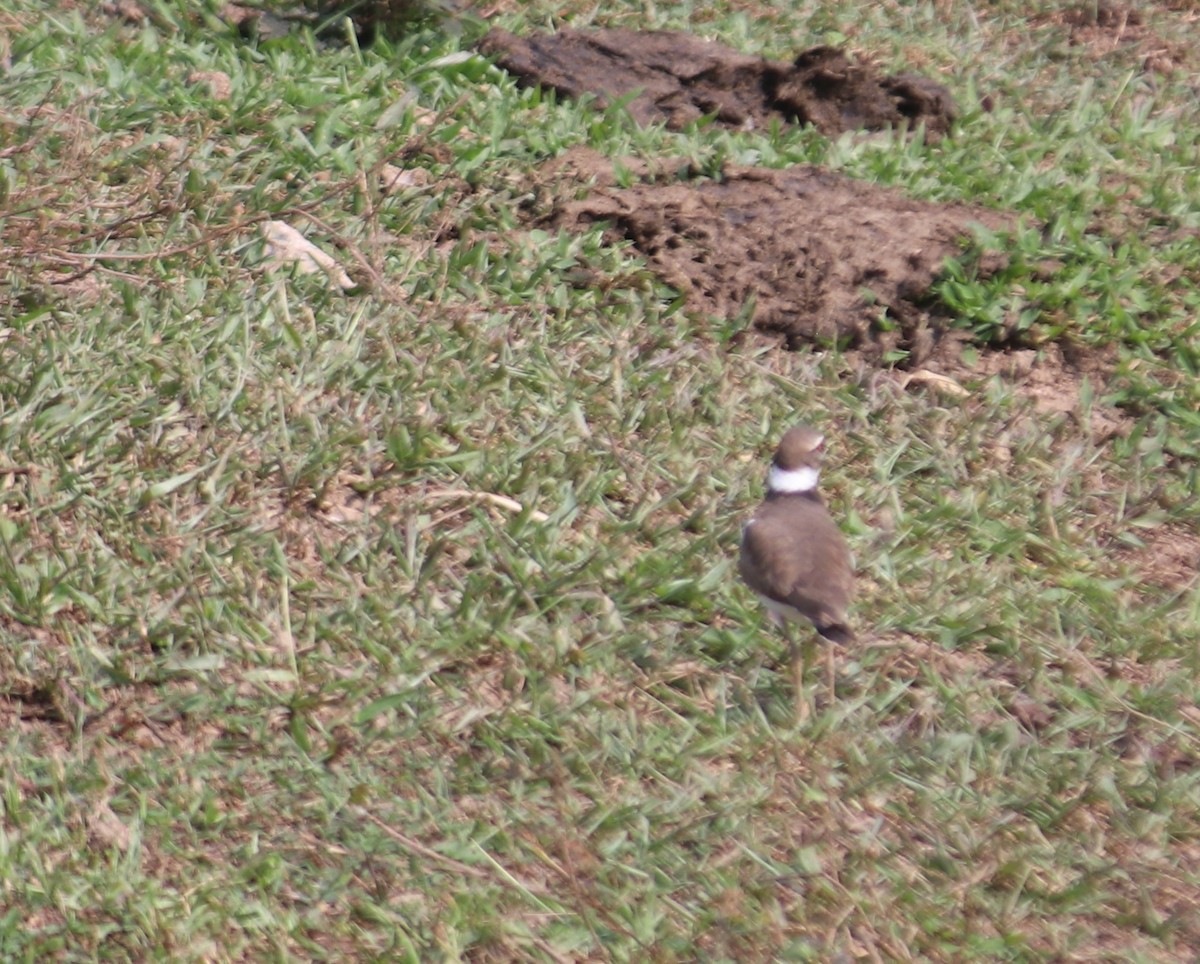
(796, 652)
(830, 673)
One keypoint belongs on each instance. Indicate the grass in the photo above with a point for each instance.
(286, 676)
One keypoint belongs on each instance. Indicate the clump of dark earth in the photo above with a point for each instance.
(809, 254)
(678, 79)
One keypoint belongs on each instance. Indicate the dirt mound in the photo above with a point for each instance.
(821, 257)
(677, 78)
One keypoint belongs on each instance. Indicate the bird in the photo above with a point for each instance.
(795, 558)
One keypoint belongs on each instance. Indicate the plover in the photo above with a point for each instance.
(794, 556)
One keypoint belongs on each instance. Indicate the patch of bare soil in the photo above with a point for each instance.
(812, 255)
(1169, 556)
(677, 78)
(1052, 377)
(1103, 22)
(1106, 26)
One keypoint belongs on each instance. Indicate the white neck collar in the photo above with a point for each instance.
(790, 481)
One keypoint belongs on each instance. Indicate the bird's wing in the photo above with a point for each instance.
(789, 571)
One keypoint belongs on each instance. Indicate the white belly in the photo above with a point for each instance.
(782, 611)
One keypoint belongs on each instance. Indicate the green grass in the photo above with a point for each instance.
(282, 678)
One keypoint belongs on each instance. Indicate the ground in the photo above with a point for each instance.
(803, 253)
(676, 78)
(378, 427)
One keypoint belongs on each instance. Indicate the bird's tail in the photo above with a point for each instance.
(837, 633)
